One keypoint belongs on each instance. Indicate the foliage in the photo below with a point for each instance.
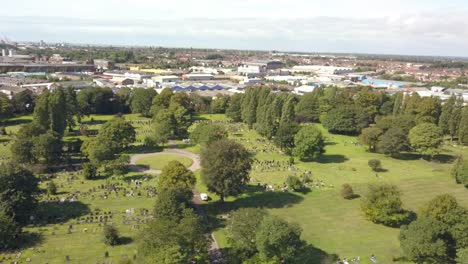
(346, 119)
(171, 202)
(51, 188)
(111, 235)
(205, 134)
(347, 192)
(141, 100)
(284, 137)
(393, 142)
(426, 138)
(233, 110)
(383, 205)
(225, 167)
(96, 100)
(294, 183)
(309, 143)
(7, 230)
(175, 175)
(242, 227)
(463, 129)
(89, 171)
(277, 239)
(18, 189)
(370, 137)
(375, 164)
(307, 109)
(460, 171)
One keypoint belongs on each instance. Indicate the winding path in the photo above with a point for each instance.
(214, 250)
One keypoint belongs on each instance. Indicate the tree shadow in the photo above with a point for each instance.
(27, 240)
(407, 156)
(138, 177)
(336, 158)
(93, 122)
(57, 212)
(313, 255)
(444, 158)
(15, 122)
(125, 241)
(140, 149)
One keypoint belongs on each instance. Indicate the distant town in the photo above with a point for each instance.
(37, 66)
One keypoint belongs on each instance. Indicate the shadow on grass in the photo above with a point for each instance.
(125, 240)
(332, 159)
(142, 149)
(15, 122)
(56, 212)
(138, 177)
(440, 158)
(25, 240)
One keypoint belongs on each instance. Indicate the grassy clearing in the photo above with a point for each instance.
(160, 161)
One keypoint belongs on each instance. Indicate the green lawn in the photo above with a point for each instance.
(159, 161)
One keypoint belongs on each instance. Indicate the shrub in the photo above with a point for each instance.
(51, 188)
(111, 235)
(375, 164)
(347, 192)
(89, 171)
(294, 183)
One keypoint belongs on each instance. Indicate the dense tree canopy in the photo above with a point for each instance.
(426, 138)
(205, 134)
(141, 100)
(309, 143)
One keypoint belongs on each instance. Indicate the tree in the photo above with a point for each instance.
(346, 119)
(72, 108)
(7, 230)
(47, 147)
(164, 126)
(375, 164)
(249, 106)
(441, 208)
(446, 114)
(171, 202)
(18, 189)
(57, 111)
(51, 188)
(383, 205)
(309, 143)
(455, 118)
(463, 129)
(97, 100)
(23, 102)
(393, 142)
(242, 227)
(277, 239)
(41, 110)
(119, 132)
(161, 101)
(141, 100)
(225, 167)
(426, 138)
(284, 137)
(173, 241)
(429, 110)
(307, 109)
(234, 110)
(347, 192)
(460, 171)
(462, 255)
(294, 183)
(5, 106)
(370, 137)
(287, 114)
(111, 235)
(174, 174)
(423, 241)
(205, 134)
(89, 171)
(219, 104)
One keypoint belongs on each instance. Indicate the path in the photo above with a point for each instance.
(214, 250)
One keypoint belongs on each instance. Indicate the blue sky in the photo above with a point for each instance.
(367, 26)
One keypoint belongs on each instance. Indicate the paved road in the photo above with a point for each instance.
(214, 250)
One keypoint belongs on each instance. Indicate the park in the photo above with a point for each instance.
(69, 223)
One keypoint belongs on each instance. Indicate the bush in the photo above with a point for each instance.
(294, 183)
(111, 235)
(89, 171)
(375, 164)
(347, 192)
(51, 188)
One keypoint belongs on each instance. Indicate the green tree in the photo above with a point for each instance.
(118, 131)
(309, 143)
(58, 111)
(173, 241)
(294, 183)
(393, 142)
(219, 104)
(446, 114)
(72, 108)
(234, 110)
(307, 109)
(171, 202)
(141, 100)
(288, 114)
(344, 119)
(174, 174)
(205, 134)
(111, 235)
(370, 137)
(397, 106)
(347, 192)
(429, 110)
(18, 190)
(455, 118)
(284, 137)
(226, 166)
(383, 205)
(41, 114)
(463, 129)
(47, 147)
(279, 240)
(460, 171)
(423, 241)
(161, 101)
(7, 230)
(249, 106)
(23, 102)
(51, 188)
(426, 139)
(242, 227)
(462, 255)
(89, 171)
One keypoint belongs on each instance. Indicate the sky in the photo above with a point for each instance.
(410, 27)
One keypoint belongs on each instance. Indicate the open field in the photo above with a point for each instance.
(158, 162)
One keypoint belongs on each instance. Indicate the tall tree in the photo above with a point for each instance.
(307, 109)
(234, 110)
(205, 134)
(463, 129)
(287, 114)
(309, 143)
(397, 106)
(446, 114)
(141, 100)
(41, 111)
(176, 175)
(58, 111)
(370, 136)
(426, 139)
(284, 137)
(226, 166)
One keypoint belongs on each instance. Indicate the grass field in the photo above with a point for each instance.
(329, 222)
(158, 162)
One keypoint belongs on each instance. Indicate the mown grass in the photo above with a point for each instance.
(160, 161)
